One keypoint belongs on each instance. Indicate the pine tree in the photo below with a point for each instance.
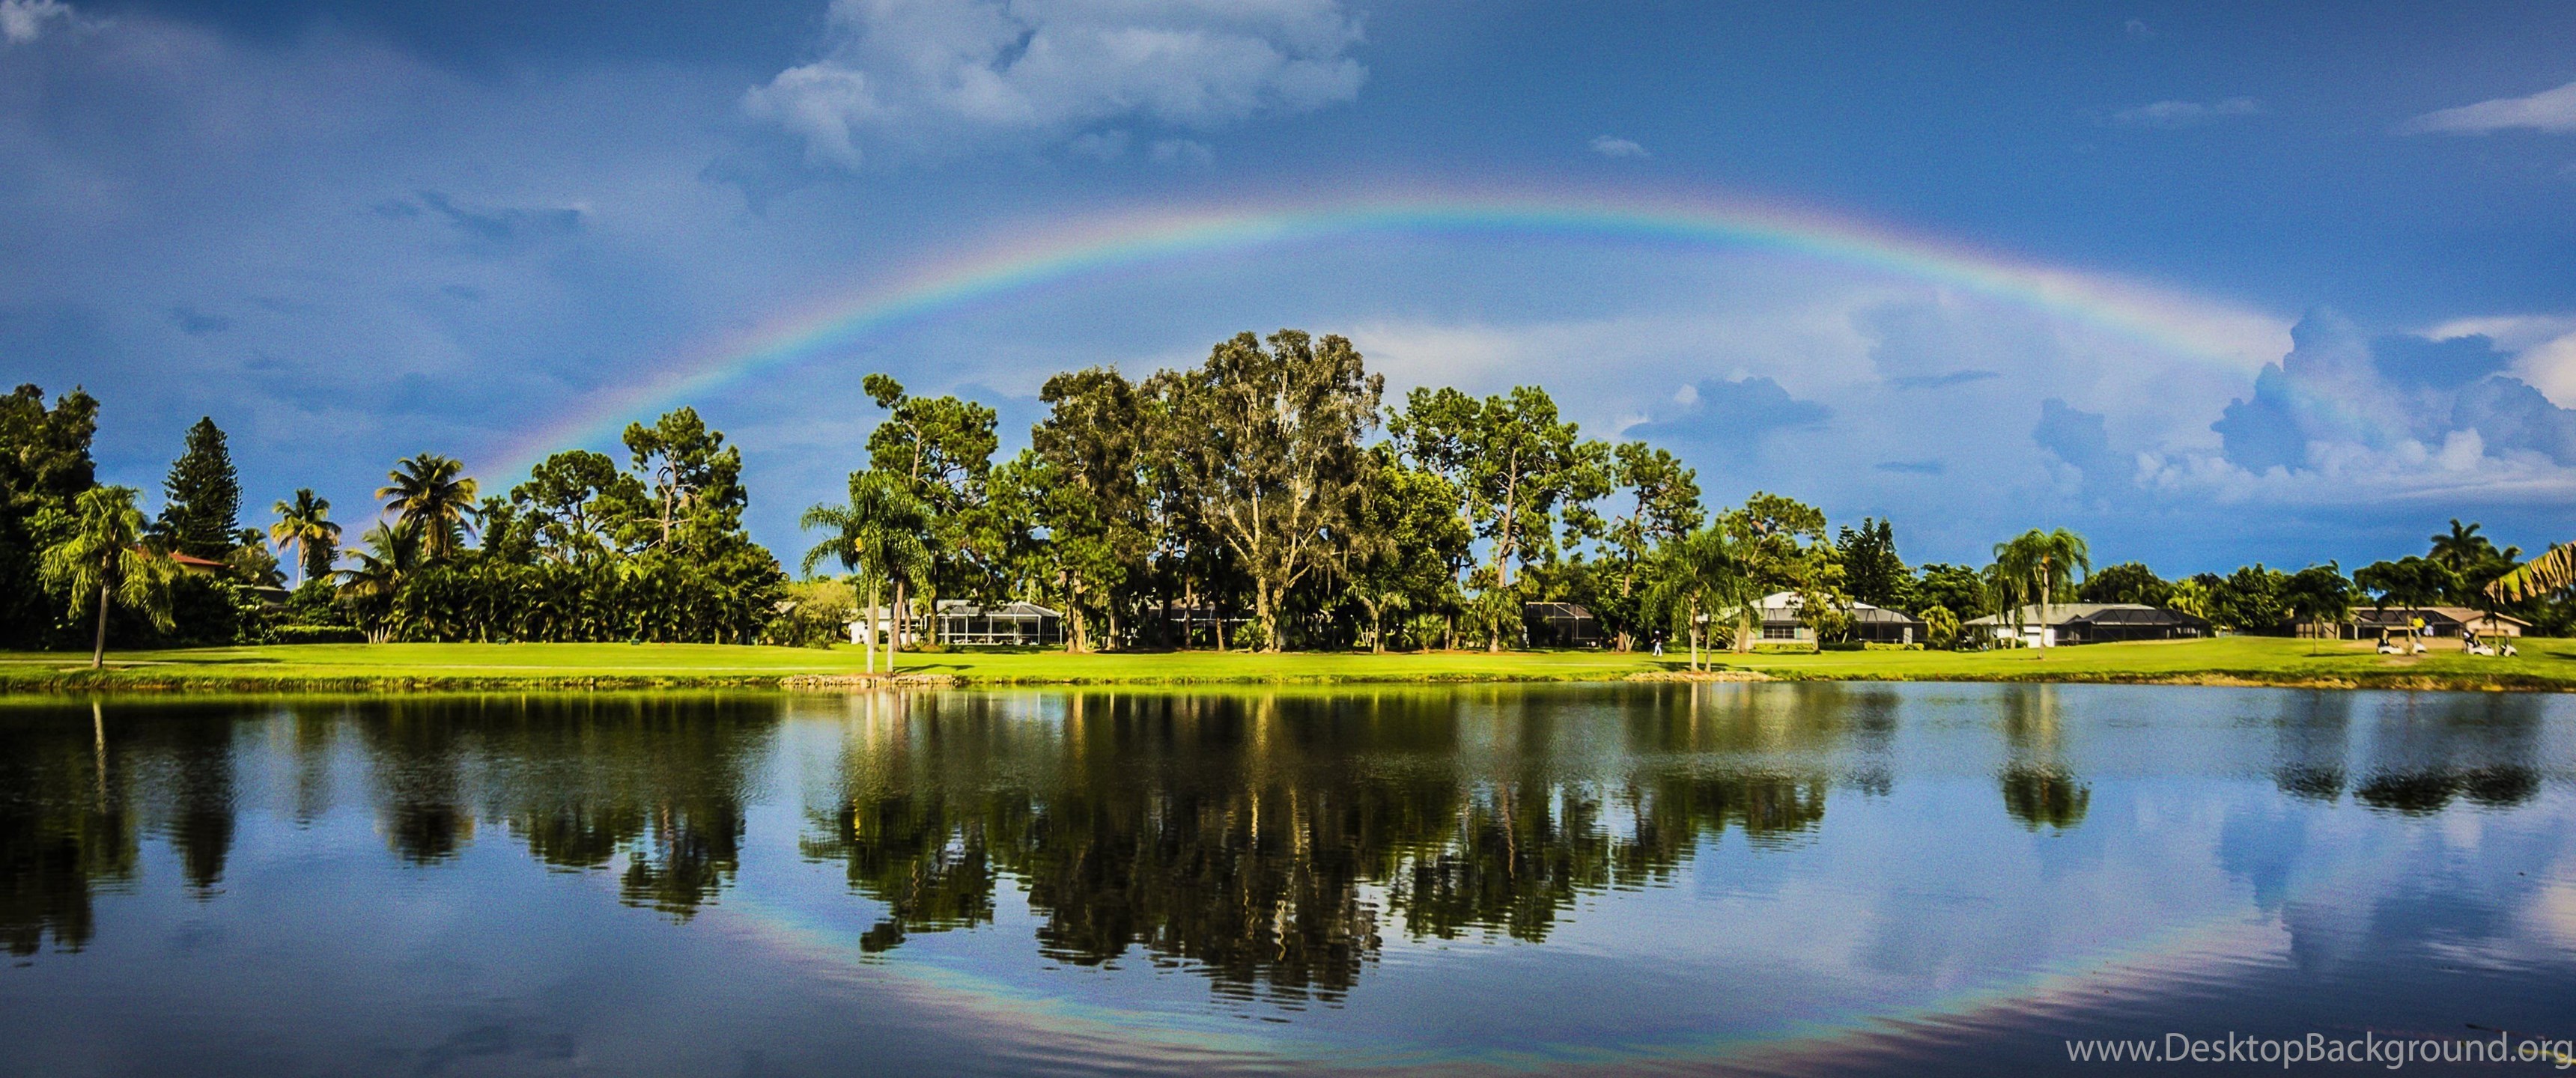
(202, 514)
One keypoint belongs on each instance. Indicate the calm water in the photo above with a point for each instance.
(1770, 878)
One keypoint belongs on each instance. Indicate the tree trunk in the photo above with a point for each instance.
(1377, 633)
(1263, 613)
(876, 594)
(894, 629)
(98, 648)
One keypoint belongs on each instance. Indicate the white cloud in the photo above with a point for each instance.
(939, 76)
(2137, 29)
(23, 21)
(2548, 110)
(1614, 146)
(2184, 113)
(2543, 348)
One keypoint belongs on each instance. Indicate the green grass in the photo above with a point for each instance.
(2544, 665)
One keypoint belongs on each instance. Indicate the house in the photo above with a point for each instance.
(1778, 614)
(1564, 625)
(196, 566)
(2089, 623)
(966, 624)
(2444, 621)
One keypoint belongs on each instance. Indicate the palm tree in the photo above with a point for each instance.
(1695, 576)
(435, 496)
(104, 553)
(305, 524)
(2553, 571)
(2462, 548)
(877, 537)
(2035, 566)
(392, 553)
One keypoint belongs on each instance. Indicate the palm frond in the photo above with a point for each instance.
(2554, 570)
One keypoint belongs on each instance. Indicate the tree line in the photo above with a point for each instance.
(1270, 498)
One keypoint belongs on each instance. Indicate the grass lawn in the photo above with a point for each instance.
(2544, 664)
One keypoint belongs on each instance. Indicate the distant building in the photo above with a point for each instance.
(1562, 625)
(2089, 623)
(1780, 621)
(2444, 621)
(1012, 624)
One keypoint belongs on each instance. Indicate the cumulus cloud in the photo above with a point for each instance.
(2549, 110)
(1614, 146)
(1718, 410)
(2082, 441)
(939, 76)
(23, 21)
(2184, 113)
(2380, 417)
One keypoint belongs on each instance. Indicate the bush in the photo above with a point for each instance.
(1784, 647)
(316, 634)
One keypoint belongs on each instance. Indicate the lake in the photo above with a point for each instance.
(1769, 878)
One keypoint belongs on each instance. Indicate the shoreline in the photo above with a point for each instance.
(83, 682)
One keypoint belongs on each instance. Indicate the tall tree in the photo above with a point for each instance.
(1699, 575)
(1266, 443)
(573, 503)
(1404, 543)
(1872, 571)
(44, 465)
(434, 495)
(2127, 582)
(942, 448)
(305, 524)
(1094, 440)
(2038, 568)
(692, 481)
(1781, 544)
(1515, 458)
(388, 556)
(2461, 548)
(877, 538)
(201, 515)
(102, 553)
(1664, 508)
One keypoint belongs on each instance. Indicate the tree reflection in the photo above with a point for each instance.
(1266, 841)
(64, 827)
(2039, 788)
(2434, 750)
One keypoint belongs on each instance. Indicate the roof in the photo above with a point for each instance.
(2094, 614)
(959, 608)
(1787, 604)
(2461, 614)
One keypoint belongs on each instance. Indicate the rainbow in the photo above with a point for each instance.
(2187, 326)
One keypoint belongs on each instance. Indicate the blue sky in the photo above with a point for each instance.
(354, 232)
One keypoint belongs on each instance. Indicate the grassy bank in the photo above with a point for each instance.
(2546, 665)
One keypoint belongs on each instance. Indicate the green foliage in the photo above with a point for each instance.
(1872, 572)
(100, 557)
(1263, 443)
(201, 512)
(434, 497)
(44, 465)
(2249, 599)
(304, 523)
(1955, 588)
(2038, 568)
(1780, 545)
(2127, 582)
(1940, 627)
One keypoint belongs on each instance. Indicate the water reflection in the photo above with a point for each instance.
(1277, 845)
